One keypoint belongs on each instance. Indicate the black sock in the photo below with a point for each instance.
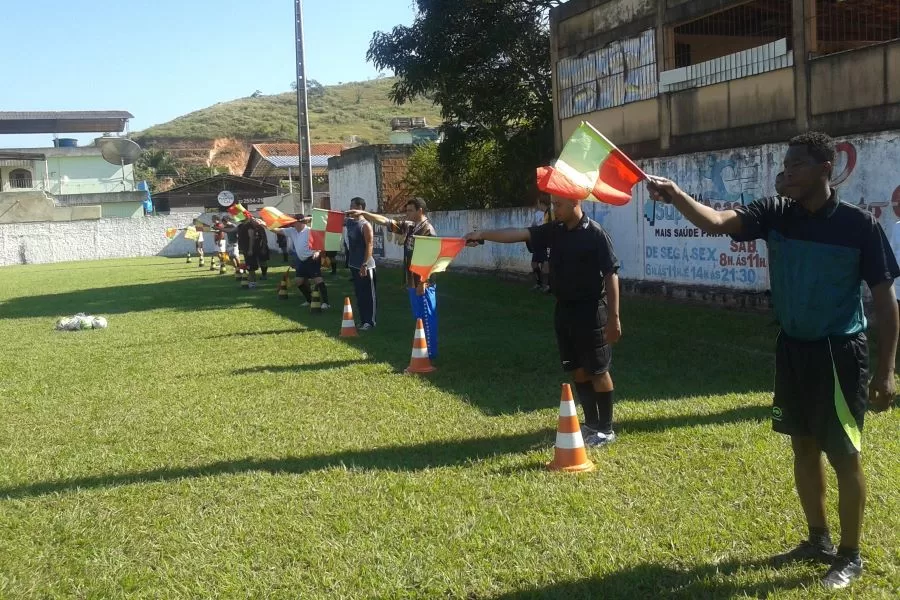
(264, 270)
(588, 404)
(849, 553)
(820, 536)
(605, 410)
(323, 291)
(537, 276)
(304, 289)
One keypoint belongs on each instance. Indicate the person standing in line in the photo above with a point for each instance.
(584, 279)
(360, 238)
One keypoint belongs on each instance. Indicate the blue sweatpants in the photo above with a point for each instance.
(425, 307)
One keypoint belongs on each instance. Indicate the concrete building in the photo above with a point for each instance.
(375, 173)
(65, 181)
(676, 76)
(707, 92)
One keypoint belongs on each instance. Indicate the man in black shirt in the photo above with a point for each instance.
(820, 252)
(584, 279)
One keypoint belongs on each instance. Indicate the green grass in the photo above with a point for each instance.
(219, 443)
(360, 108)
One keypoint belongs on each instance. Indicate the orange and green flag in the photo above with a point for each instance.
(239, 212)
(171, 232)
(434, 254)
(327, 230)
(274, 218)
(590, 167)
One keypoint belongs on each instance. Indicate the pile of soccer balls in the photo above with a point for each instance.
(79, 322)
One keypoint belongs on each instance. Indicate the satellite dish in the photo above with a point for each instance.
(225, 199)
(118, 150)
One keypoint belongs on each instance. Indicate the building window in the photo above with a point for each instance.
(729, 31)
(621, 72)
(842, 25)
(741, 41)
(20, 179)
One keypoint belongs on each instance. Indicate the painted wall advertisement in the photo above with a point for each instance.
(669, 248)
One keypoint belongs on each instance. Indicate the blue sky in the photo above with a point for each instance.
(159, 59)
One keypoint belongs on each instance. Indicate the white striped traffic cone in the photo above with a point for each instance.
(420, 362)
(348, 325)
(569, 454)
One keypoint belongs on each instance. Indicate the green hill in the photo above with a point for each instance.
(362, 109)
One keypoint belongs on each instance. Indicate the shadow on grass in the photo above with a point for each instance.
(242, 334)
(497, 348)
(735, 415)
(648, 580)
(392, 458)
(316, 366)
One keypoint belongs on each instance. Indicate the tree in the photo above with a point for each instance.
(256, 94)
(487, 64)
(153, 165)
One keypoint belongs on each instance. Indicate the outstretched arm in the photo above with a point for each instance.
(371, 217)
(708, 219)
(501, 236)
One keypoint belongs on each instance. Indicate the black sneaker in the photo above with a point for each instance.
(806, 552)
(842, 572)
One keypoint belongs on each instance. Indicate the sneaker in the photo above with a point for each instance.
(806, 552)
(366, 327)
(546, 289)
(305, 304)
(587, 432)
(842, 572)
(325, 306)
(599, 439)
(252, 285)
(536, 288)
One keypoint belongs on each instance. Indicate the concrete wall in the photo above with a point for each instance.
(348, 179)
(122, 210)
(32, 207)
(856, 79)
(674, 252)
(87, 175)
(668, 252)
(29, 243)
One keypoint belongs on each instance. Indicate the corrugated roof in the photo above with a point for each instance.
(62, 122)
(283, 162)
(64, 114)
(290, 149)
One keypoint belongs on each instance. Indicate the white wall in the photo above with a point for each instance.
(352, 180)
(88, 240)
(867, 173)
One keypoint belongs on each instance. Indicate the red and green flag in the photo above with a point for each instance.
(275, 219)
(239, 212)
(434, 254)
(590, 167)
(327, 229)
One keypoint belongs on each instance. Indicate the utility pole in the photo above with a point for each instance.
(306, 181)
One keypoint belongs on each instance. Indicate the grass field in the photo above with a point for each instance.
(219, 443)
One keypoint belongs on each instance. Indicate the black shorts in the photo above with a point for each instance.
(253, 262)
(821, 391)
(539, 255)
(581, 337)
(310, 268)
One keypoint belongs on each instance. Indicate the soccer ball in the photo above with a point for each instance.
(99, 323)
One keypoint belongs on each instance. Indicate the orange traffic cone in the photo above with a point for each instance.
(569, 454)
(348, 325)
(420, 363)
